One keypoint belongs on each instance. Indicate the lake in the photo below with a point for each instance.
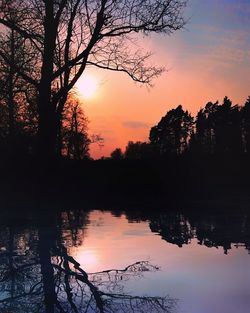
(125, 261)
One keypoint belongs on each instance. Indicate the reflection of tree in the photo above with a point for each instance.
(38, 275)
(172, 227)
(210, 229)
(72, 224)
(103, 291)
(222, 230)
(20, 284)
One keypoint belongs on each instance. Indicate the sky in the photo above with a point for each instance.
(204, 62)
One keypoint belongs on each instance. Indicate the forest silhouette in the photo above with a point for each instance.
(203, 157)
(45, 47)
(222, 130)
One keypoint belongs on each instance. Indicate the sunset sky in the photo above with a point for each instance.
(206, 61)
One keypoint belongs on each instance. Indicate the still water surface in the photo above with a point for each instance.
(101, 261)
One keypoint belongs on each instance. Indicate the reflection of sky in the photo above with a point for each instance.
(208, 60)
(204, 279)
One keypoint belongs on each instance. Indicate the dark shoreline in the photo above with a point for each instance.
(220, 184)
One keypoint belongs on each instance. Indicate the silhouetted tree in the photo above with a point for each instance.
(227, 128)
(218, 129)
(16, 112)
(245, 113)
(117, 154)
(173, 132)
(203, 139)
(140, 150)
(133, 150)
(75, 140)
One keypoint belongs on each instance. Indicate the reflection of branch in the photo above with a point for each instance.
(111, 279)
(134, 304)
(83, 277)
(110, 301)
(67, 285)
(140, 266)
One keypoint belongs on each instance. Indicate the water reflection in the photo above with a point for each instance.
(43, 267)
(38, 275)
(210, 228)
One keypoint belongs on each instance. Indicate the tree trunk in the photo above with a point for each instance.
(47, 271)
(10, 101)
(47, 124)
(11, 87)
(47, 133)
(59, 145)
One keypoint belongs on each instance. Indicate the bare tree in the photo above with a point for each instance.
(69, 35)
(75, 140)
(17, 112)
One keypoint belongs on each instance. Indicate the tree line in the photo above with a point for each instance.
(218, 129)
